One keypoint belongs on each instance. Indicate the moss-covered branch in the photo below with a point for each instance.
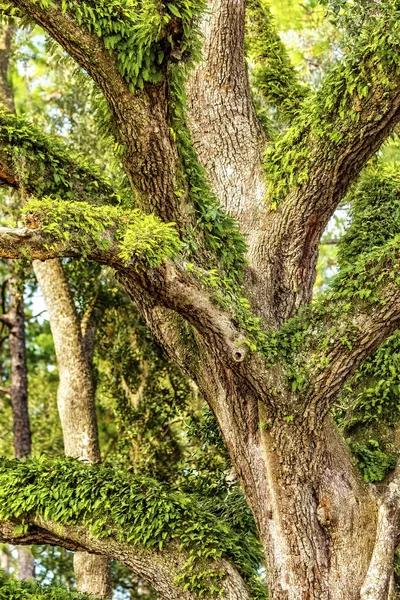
(41, 166)
(163, 536)
(311, 166)
(361, 311)
(272, 72)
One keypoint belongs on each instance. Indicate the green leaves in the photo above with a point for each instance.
(139, 236)
(138, 32)
(132, 509)
(10, 589)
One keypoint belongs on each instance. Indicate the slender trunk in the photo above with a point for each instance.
(75, 398)
(5, 559)
(26, 563)
(15, 319)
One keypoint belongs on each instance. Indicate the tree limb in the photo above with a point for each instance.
(224, 127)
(47, 501)
(46, 166)
(311, 166)
(159, 569)
(141, 119)
(361, 312)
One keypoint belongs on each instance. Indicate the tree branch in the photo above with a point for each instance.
(362, 310)
(45, 165)
(224, 127)
(141, 119)
(311, 166)
(272, 72)
(52, 508)
(159, 569)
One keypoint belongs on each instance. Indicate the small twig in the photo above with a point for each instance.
(332, 241)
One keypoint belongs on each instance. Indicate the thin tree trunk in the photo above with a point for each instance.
(15, 320)
(76, 403)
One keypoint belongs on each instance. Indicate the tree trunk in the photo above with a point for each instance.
(92, 574)
(26, 563)
(76, 404)
(15, 319)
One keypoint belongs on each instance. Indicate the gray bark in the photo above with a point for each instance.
(76, 402)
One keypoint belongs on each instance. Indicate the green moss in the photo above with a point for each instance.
(139, 236)
(132, 509)
(10, 589)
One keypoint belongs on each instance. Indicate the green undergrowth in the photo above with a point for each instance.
(330, 118)
(45, 167)
(139, 236)
(130, 508)
(11, 589)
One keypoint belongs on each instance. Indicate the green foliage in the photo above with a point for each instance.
(134, 509)
(10, 589)
(139, 236)
(143, 35)
(45, 167)
(332, 113)
(374, 212)
(373, 462)
(272, 73)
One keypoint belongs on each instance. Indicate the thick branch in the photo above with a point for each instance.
(159, 569)
(352, 332)
(101, 511)
(40, 165)
(224, 127)
(272, 72)
(141, 119)
(312, 165)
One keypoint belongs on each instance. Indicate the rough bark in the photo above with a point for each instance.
(75, 397)
(15, 320)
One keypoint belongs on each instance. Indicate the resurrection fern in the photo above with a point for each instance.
(271, 70)
(143, 35)
(10, 589)
(45, 167)
(374, 212)
(139, 236)
(331, 112)
(131, 508)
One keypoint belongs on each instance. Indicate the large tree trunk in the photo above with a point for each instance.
(76, 403)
